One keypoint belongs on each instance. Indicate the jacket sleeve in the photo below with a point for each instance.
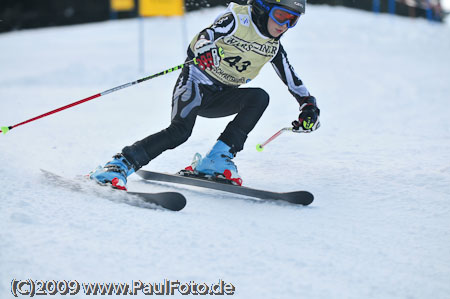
(287, 74)
(222, 26)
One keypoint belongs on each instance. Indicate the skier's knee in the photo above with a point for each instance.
(263, 96)
(259, 99)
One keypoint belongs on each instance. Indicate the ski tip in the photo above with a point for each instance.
(4, 130)
(303, 198)
(175, 202)
(181, 203)
(259, 148)
(308, 198)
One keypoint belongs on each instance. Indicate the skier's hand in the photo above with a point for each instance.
(206, 54)
(308, 119)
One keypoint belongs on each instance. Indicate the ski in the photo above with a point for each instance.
(173, 201)
(296, 197)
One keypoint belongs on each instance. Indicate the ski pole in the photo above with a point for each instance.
(5, 130)
(260, 146)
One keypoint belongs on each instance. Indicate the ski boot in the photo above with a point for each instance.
(115, 172)
(217, 165)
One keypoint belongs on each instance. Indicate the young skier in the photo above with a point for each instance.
(250, 37)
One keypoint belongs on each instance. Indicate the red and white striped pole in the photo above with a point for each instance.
(5, 130)
(260, 146)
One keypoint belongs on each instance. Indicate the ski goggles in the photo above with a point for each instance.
(283, 16)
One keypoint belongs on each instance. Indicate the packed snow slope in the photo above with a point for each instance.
(379, 166)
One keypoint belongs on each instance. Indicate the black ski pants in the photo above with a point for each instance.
(196, 95)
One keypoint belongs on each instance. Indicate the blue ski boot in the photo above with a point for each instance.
(115, 172)
(218, 164)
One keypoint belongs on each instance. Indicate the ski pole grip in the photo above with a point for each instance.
(4, 130)
(221, 53)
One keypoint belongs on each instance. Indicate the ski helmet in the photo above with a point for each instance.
(264, 6)
(261, 10)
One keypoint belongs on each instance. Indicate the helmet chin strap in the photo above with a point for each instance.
(262, 24)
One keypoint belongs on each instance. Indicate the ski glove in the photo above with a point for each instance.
(308, 119)
(206, 54)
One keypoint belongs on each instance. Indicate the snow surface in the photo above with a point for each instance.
(379, 166)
